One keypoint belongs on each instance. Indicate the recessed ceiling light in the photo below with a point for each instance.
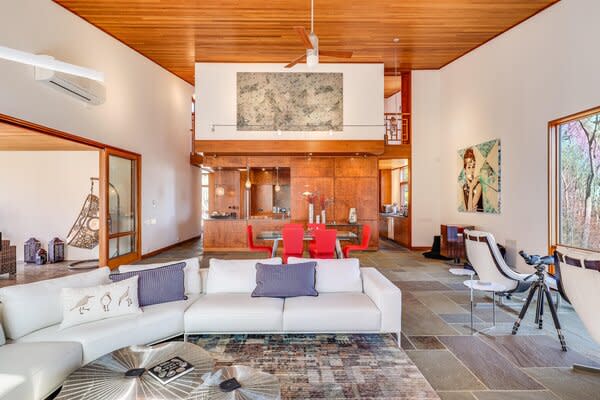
(396, 40)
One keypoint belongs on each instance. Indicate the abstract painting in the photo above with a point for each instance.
(270, 101)
(479, 178)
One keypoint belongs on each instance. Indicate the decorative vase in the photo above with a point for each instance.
(311, 212)
(352, 216)
(323, 217)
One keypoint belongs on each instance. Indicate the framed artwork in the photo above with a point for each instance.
(479, 182)
(269, 101)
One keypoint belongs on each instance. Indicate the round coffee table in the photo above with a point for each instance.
(104, 378)
(238, 382)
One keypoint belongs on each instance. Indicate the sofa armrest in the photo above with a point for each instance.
(386, 296)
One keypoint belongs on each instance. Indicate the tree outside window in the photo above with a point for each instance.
(577, 181)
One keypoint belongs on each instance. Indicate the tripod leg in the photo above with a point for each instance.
(538, 305)
(524, 309)
(541, 319)
(561, 337)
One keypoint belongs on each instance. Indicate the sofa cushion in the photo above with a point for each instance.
(283, 281)
(33, 306)
(157, 285)
(156, 323)
(193, 282)
(234, 276)
(234, 313)
(35, 370)
(337, 275)
(83, 305)
(331, 312)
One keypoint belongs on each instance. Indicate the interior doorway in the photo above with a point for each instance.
(86, 193)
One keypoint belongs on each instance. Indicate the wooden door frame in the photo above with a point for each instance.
(106, 236)
(103, 149)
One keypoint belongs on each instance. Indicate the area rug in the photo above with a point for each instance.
(325, 366)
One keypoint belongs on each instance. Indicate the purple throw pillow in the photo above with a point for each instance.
(157, 285)
(289, 280)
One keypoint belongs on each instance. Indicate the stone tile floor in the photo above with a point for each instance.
(436, 334)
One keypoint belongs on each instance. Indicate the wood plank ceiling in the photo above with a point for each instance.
(16, 138)
(176, 33)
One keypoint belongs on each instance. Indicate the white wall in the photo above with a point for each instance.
(216, 101)
(147, 109)
(393, 104)
(543, 69)
(41, 195)
(425, 167)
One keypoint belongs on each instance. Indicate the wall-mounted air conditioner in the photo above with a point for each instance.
(84, 89)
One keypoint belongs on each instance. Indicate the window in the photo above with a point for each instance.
(404, 186)
(575, 181)
(205, 194)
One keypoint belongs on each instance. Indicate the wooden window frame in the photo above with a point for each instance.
(553, 174)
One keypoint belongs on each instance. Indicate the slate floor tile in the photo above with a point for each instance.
(443, 371)
(568, 384)
(495, 371)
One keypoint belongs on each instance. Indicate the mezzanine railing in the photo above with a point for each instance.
(397, 128)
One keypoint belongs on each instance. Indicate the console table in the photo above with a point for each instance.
(452, 242)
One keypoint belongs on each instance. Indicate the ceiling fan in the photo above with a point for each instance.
(311, 43)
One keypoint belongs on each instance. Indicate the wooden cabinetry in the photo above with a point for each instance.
(225, 234)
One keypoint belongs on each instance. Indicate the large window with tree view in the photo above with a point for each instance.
(577, 181)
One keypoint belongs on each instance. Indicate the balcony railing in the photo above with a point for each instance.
(397, 128)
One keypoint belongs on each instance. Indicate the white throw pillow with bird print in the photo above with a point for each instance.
(82, 305)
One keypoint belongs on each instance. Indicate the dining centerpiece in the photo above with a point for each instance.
(310, 198)
(324, 203)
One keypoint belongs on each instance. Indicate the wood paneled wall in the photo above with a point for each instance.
(385, 184)
(349, 181)
(230, 202)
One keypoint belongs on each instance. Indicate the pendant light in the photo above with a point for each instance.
(248, 184)
(277, 187)
(219, 189)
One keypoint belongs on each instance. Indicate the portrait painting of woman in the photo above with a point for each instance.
(479, 178)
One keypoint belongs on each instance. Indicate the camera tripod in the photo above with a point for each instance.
(540, 286)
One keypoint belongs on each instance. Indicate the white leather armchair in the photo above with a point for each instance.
(579, 283)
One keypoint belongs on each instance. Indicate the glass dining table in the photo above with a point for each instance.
(276, 236)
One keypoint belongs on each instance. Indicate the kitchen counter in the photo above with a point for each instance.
(395, 227)
(393, 215)
(229, 234)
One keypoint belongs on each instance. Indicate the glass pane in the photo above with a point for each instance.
(404, 194)
(204, 179)
(404, 174)
(122, 194)
(579, 183)
(204, 202)
(121, 246)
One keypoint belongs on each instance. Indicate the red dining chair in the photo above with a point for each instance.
(253, 247)
(324, 245)
(293, 243)
(364, 244)
(293, 226)
(315, 227)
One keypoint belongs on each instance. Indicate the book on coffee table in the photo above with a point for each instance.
(168, 371)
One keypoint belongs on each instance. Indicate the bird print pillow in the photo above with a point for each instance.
(83, 305)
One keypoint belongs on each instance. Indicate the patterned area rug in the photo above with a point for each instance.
(325, 366)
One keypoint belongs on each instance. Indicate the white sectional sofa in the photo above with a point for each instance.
(37, 356)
